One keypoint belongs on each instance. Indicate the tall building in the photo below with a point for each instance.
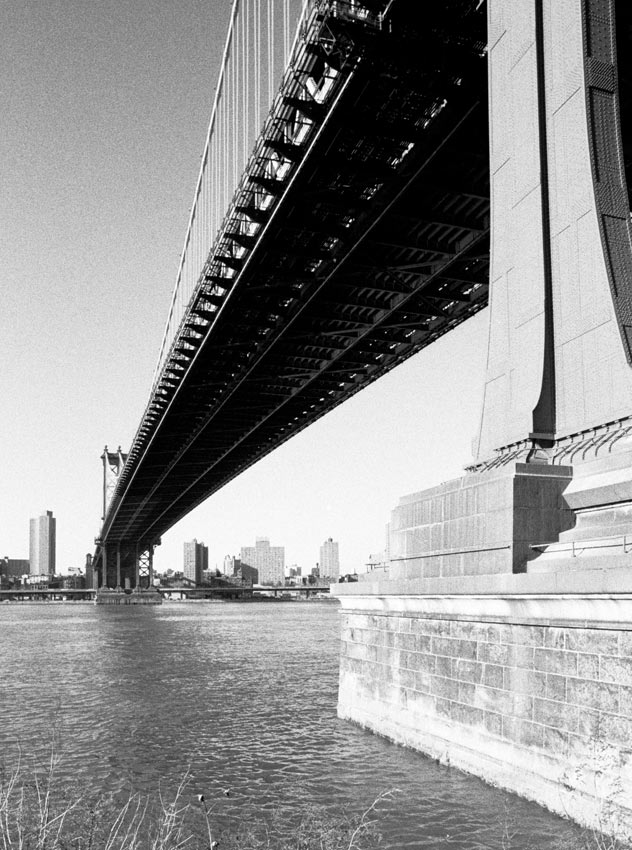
(90, 574)
(42, 545)
(329, 561)
(195, 560)
(269, 561)
(231, 565)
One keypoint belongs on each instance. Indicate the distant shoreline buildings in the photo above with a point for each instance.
(40, 569)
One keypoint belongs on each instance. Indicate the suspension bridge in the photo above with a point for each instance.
(357, 165)
(340, 224)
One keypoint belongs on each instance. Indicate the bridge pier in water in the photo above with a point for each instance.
(123, 570)
(498, 638)
(124, 575)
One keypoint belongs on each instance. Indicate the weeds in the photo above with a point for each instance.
(37, 814)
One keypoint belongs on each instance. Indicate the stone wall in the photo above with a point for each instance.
(530, 692)
(479, 524)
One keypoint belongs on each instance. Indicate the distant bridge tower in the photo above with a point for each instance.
(113, 463)
(121, 565)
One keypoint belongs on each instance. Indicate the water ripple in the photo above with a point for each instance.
(240, 696)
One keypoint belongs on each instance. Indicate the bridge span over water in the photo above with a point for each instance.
(352, 206)
(356, 234)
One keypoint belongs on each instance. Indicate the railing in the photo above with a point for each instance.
(577, 548)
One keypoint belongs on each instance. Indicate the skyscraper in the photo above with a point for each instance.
(329, 562)
(269, 561)
(42, 545)
(195, 560)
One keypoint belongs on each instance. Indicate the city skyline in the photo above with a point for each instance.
(101, 161)
(195, 552)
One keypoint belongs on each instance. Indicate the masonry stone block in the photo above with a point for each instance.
(524, 656)
(555, 688)
(423, 681)
(443, 707)
(522, 681)
(468, 671)
(587, 666)
(467, 715)
(625, 701)
(625, 644)
(595, 695)
(444, 687)
(615, 670)
(555, 714)
(555, 661)
(492, 675)
(493, 722)
(556, 741)
(493, 653)
(444, 666)
(594, 641)
(555, 638)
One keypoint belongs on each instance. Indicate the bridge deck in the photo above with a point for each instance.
(358, 236)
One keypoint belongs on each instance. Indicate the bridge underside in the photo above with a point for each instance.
(376, 244)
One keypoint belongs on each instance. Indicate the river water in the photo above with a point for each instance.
(242, 696)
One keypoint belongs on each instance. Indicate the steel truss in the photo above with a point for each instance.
(357, 236)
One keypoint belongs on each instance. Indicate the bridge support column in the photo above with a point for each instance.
(104, 567)
(143, 567)
(560, 335)
(144, 571)
(498, 637)
(118, 566)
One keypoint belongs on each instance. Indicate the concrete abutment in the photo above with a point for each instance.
(530, 690)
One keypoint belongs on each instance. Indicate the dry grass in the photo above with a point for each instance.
(36, 813)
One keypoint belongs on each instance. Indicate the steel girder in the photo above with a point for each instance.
(374, 244)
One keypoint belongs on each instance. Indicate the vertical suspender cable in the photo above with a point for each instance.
(234, 141)
(247, 78)
(286, 32)
(242, 111)
(257, 67)
(270, 20)
(174, 316)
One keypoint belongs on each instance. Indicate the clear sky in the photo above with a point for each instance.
(104, 113)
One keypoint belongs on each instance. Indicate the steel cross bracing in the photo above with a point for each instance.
(357, 236)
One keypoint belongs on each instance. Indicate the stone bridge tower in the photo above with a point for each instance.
(499, 636)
